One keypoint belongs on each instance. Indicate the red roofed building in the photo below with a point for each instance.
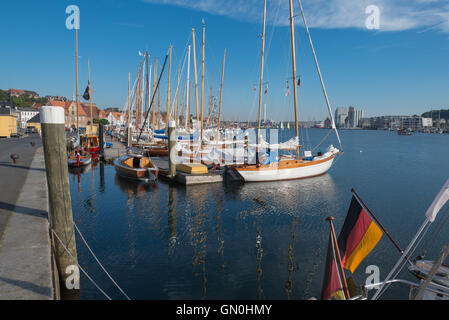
(18, 93)
(70, 113)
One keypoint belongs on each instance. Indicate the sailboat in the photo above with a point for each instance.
(290, 167)
(78, 157)
(90, 142)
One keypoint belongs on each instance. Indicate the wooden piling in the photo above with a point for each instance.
(101, 138)
(172, 153)
(60, 207)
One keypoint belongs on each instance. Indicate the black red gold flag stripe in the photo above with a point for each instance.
(332, 282)
(358, 237)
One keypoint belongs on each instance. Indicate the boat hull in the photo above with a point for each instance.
(136, 174)
(84, 161)
(286, 170)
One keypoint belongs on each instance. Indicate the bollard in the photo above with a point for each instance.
(172, 149)
(14, 157)
(60, 207)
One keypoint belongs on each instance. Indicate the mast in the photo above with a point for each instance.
(202, 83)
(147, 87)
(177, 98)
(158, 108)
(129, 99)
(196, 76)
(221, 93)
(211, 97)
(321, 77)
(142, 92)
(167, 118)
(138, 96)
(188, 120)
(261, 79)
(337, 253)
(77, 95)
(292, 33)
(154, 93)
(90, 98)
(188, 90)
(152, 100)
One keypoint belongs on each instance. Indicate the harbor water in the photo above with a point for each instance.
(259, 240)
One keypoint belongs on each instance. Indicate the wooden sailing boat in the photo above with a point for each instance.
(291, 167)
(136, 167)
(78, 158)
(90, 142)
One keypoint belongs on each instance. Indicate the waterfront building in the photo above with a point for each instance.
(412, 123)
(58, 98)
(8, 123)
(427, 122)
(35, 122)
(358, 115)
(340, 117)
(25, 114)
(22, 114)
(116, 119)
(19, 93)
(350, 119)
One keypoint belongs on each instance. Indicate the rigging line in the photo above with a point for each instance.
(183, 64)
(173, 101)
(321, 77)
(403, 263)
(267, 52)
(435, 232)
(85, 273)
(322, 140)
(98, 261)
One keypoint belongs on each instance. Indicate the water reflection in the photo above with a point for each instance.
(172, 219)
(102, 184)
(133, 187)
(287, 197)
(291, 254)
(198, 232)
(231, 241)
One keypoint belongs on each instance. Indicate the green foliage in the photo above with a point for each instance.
(4, 95)
(435, 114)
(102, 121)
(24, 101)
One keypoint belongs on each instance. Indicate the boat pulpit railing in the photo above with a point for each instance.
(434, 288)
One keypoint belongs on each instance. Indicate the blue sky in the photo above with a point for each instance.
(403, 68)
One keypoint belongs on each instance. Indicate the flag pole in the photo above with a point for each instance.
(340, 265)
(377, 221)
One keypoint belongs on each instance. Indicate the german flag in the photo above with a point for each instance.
(332, 284)
(358, 237)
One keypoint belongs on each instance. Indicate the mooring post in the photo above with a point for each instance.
(101, 138)
(172, 153)
(129, 136)
(60, 206)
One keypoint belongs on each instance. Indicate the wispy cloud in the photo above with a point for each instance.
(395, 15)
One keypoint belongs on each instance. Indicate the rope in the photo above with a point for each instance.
(85, 273)
(435, 232)
(99, 263)
(322, 140)
(403, 263)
